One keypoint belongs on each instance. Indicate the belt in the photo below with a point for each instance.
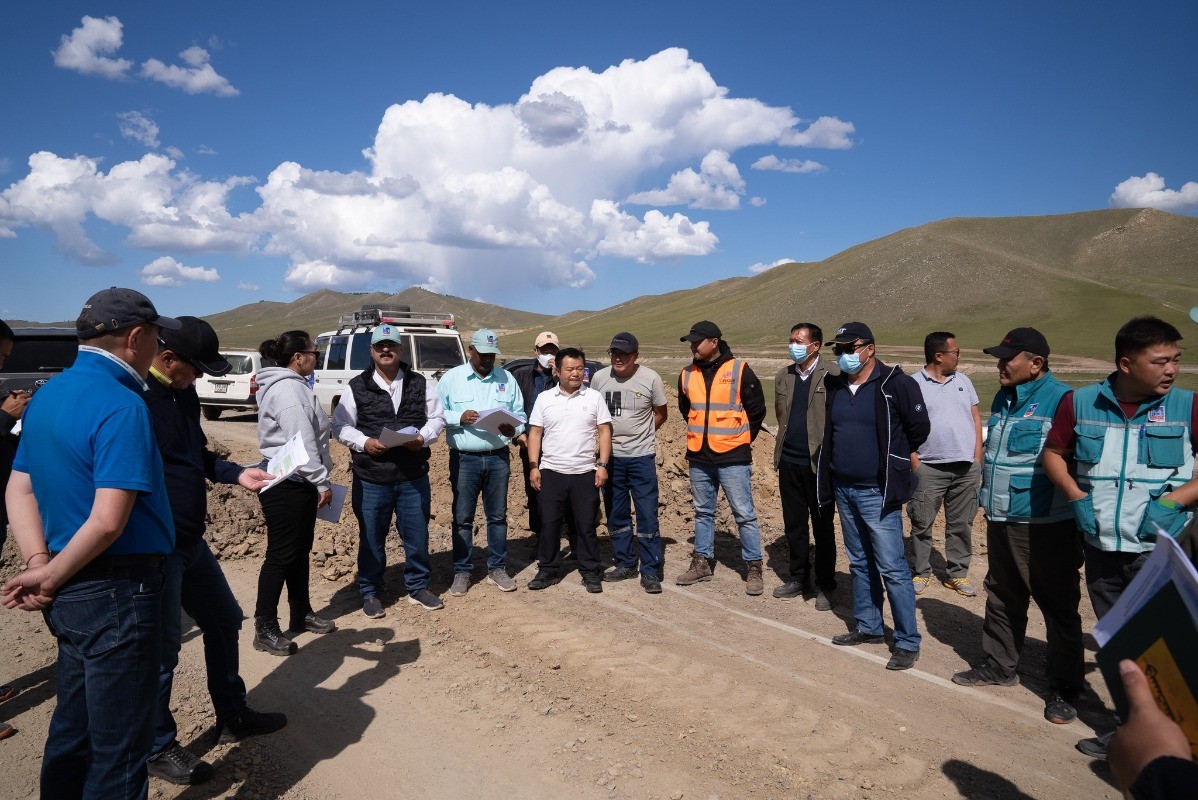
(107, 565)
(498, 451)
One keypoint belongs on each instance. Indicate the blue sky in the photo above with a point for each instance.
(550, 157)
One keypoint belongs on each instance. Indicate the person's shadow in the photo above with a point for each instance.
(298, 688)
(975, 783)
(32, 690)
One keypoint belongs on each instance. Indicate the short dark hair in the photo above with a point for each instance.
(1141, 333)
(812, 330)
(6, 334)
(283, 347)
(569, 352)
(934, 343)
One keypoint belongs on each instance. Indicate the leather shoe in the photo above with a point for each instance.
(179, 766)
(902, 659)
(249, 723)
(855, 638)
(312, 624)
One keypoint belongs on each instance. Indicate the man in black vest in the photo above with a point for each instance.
(390, 480)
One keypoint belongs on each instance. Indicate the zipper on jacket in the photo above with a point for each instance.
(1120, 482)
(1002, 431)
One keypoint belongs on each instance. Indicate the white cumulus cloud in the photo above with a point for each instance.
(248, 287)
(826, 132)
(88, 48)
(757, 269)
(1150, 192)
(166, 271)
(757, 202)
(773, 163)
(196, 76)
(318, 274)
(717, 185)
(138, 127)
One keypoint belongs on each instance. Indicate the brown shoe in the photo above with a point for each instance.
(753, 583)
(699, 570)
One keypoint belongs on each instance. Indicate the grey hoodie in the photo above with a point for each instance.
(286, 405)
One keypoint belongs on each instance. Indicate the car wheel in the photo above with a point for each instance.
(211, 412)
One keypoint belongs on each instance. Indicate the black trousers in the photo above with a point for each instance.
(534, 504)
(1041, 563)
(796, 485)
(574, 498)
(1108, 574)
(290, 511)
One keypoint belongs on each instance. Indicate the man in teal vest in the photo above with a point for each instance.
(1034, 549)
(1122, 453)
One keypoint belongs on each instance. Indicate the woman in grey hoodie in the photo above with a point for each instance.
(286, 406)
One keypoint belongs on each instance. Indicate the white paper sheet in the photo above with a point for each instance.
(332, 512)
(492, 418)
(1167, 563)
(286, 461)
(390, 438)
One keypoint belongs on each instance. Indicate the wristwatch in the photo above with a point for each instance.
(601, 464)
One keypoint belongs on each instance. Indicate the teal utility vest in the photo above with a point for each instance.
(1125, 465)
(1015, 487)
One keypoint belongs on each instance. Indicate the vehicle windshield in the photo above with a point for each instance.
(241, 364)
(435, 352)
(45, 355)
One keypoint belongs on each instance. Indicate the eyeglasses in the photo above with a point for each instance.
(845, 349)
(956, 352)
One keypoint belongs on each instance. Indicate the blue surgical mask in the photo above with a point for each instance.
(849, 363)
(798, 353)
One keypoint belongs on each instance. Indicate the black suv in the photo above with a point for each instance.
(38, 354)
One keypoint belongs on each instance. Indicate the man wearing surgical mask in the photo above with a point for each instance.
(534, 378)
(799, 406)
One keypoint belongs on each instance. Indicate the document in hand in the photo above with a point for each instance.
(492, 418)
(1155, 624)
(332, 512)
(286, 461)
(390, 438)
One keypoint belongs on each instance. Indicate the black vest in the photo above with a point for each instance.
(375, 412)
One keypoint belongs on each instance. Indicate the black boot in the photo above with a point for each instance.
(311, 623)
(269, 639)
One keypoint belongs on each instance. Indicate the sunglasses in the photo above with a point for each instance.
(845, 349)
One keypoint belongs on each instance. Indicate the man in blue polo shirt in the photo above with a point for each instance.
(479, 460)
(89, 510)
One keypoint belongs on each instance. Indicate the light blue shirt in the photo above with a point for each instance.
(462, 389)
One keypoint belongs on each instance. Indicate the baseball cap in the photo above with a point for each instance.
(546, 337)
(484, 340)
(702, 330)
(851, 332)
(112, 309)
(1018, 341)
(625, 343)
(384, 333)
(196, 343)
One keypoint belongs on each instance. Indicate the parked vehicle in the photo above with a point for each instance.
(431, 344)
(38, 354)
(238, 389)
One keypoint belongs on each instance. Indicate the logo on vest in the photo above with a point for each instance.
(1031, 410)
(1157, 414)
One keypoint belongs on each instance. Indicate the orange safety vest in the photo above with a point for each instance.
(721, 417)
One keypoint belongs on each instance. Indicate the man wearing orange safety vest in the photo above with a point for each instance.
(722, 402)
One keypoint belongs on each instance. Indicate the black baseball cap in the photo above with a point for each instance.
(1020, 340)
(851, 332)
(112, 309)
(625, 343)
(196, 343)
(702, 330)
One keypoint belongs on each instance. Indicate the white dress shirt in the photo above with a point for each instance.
(345, 417)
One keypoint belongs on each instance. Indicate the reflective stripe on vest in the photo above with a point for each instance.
(730, 427)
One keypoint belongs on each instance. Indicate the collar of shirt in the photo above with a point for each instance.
(390, 387)
(930, 377)
(158, 376)
(579, 391)
(87, 348)
(806, 373)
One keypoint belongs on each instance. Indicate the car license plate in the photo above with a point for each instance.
(221, 388)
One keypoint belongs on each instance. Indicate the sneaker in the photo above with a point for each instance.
(921, 583)
(1059, 710)
(825, 600)
(373, 607)
(650, 584)
(501, 579)
(593, 581)
(179, 766)
(426, 600)
(961, 586)
(754, 583)
(1096, 746)
(788, 590)
(312, 624)
(985, 675)
(543, 580)
(902, 659)
(699, 570)
(854, 638)
(249, 723)
(461, 584)
(619, 574)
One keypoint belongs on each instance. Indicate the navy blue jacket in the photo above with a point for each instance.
(902, 426)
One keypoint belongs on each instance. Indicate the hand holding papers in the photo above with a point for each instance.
(332, 512)
(492, 418)
(390, 438)
(289, 458)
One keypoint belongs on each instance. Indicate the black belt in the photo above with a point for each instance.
(107, 565)
(498, 451)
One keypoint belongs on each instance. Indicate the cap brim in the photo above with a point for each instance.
(218, 366)
(625, 350)
(1002, 351)
(845, 340)
(170, 323)
(485, 349)
(694, 337)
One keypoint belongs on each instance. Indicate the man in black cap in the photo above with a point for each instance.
(724, 407)
(89, 510)
(876, 421)
(194, 580)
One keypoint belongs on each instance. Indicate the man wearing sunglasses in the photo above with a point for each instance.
(876, 421)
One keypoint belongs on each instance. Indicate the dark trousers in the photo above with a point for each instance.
(1041, 563)
(534, 504)
(572, 497)
(1108, 574)
(796, 485)
(290, 511)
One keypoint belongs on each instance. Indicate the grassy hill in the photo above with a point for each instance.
(249, 325)
(1076, 277)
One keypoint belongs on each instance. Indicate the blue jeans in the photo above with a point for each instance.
(632, 481)
(109, 632)
(706, 480)
(873, 538)
(195, 584)
(470, 474)
(375, 504)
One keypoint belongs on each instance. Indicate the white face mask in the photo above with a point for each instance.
(545, 360)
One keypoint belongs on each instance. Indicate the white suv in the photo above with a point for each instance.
(431, 344)
(236, 389)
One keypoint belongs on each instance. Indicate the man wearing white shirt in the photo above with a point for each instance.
(561, 452)
(390, 481)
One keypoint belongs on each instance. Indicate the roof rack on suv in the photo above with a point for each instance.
(377, 314)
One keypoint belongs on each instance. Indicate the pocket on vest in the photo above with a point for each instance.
(1031, 495)
(1090, 438)
(1169, 520)
(1163, 446)
(1026, 437)
(1083, 515)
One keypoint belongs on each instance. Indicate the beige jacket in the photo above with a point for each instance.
(784, 384)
